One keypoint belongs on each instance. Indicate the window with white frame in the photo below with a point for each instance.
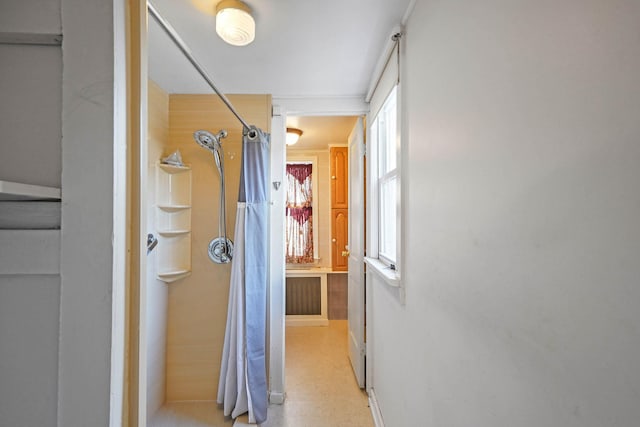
(386, 179)
(384, 171)
(301, 229)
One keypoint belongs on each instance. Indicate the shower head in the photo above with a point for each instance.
(208, 140)
(212, 143)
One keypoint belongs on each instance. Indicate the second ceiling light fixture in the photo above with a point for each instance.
(293, 135)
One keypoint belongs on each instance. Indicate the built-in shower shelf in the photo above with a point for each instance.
(172, 276)
(173, 222)
(170, 233)
(19, 191)
(174, 208)
(173, 168)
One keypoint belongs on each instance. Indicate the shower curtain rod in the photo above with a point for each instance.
(173, 34)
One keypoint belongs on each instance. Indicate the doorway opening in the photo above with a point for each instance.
(327, 142)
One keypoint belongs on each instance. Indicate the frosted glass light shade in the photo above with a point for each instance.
(293, 135)
(234, 23)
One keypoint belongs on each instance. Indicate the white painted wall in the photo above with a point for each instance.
(31, 114)
(29, 313)
(31, 88)
(93, 211)
(30, 134)
(57, 351)
(521, 133)
(32, 16)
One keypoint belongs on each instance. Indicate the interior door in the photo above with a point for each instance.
(355, 253)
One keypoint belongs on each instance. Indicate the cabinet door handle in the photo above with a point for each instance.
(333, 177)
(333, 240)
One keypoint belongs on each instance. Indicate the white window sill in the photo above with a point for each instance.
(389, 276)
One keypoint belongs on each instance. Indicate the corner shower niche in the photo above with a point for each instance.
(173, 221)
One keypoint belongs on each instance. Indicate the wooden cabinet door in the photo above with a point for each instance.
(339, 177)
(339, 239)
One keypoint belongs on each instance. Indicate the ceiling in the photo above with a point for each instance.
(302, 49)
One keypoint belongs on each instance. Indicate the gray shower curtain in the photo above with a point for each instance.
(243, 379)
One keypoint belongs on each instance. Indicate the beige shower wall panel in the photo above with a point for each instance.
(158, 120)
(198, 304)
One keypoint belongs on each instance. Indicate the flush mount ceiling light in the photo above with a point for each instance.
(234, 23)
(292, 135)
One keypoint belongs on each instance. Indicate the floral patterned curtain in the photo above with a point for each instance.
(299, 215)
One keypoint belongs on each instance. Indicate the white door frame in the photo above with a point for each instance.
(136, 333)
(282, 107)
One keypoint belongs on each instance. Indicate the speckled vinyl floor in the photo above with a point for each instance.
(321, 388)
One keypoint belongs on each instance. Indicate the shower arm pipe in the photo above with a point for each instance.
(173, 34)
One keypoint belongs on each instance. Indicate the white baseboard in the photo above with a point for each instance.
(375, 409)
(306, 320)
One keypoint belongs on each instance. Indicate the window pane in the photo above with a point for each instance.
(388, 218)
(299, 214)
(387, 134)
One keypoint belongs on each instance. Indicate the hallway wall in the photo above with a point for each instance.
(198, 304)
(521, 233)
